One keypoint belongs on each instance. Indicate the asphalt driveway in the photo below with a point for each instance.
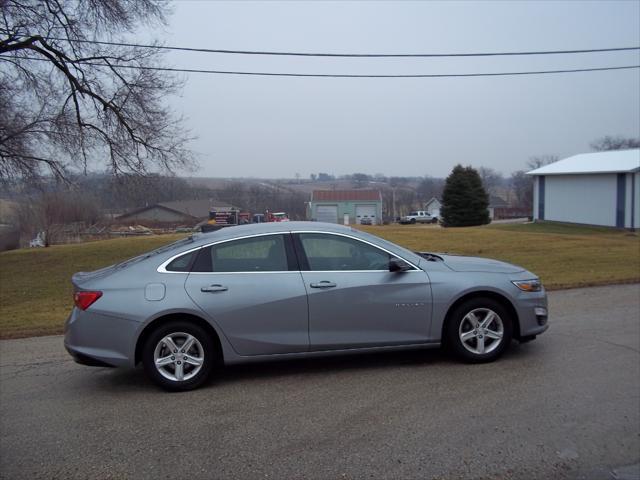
(564, 406)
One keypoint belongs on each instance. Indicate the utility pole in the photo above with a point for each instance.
(393, 202)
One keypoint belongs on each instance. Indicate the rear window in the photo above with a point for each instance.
(182, 263)
(165, 248)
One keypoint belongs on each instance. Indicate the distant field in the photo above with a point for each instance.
(35, 287)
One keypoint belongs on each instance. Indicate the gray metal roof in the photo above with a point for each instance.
(618, 161)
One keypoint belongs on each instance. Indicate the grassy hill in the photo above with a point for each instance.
(35, 287)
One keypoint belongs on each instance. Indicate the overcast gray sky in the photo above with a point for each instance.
(277, 127)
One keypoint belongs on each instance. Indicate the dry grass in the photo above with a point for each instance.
(35, 284)
(35, 287)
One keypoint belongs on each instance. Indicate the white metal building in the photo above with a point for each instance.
(601, 188)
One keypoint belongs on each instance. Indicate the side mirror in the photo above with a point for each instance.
(397, 265)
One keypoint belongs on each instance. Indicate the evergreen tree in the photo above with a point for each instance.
(465, 202)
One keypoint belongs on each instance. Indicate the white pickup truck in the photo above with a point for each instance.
(419, 216)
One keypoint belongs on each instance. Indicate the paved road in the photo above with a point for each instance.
(564, 406)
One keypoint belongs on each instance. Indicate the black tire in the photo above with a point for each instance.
(206, 343)
(413, 221)
(453, 330)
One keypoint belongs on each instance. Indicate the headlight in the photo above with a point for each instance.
(528, 285)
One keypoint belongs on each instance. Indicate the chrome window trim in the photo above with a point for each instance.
(295, 271)
(163, 265)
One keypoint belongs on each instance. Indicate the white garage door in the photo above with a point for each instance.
(363, 211)
(327, 213)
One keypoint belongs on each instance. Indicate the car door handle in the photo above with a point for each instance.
(214, 288)
(323, 284)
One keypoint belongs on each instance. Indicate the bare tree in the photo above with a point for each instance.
(491, 179)
(360, 179)
(522, 186)
(541, 160)
(50, 211)
(430, 187)
(615, 143)
(67, 101)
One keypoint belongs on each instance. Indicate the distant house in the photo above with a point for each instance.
(601, 188)
(345, 206)
(495, 203)
(179, 212)
(432, 207)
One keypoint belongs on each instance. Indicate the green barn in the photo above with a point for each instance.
(346, 207)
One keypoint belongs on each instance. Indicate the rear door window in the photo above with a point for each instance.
(255, 254)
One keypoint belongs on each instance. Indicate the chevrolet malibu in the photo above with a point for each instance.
(290, 290)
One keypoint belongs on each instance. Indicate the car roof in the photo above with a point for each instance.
(270, 227)
(230, 233)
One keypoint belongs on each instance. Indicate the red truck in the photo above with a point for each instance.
(270, 217)
(277, 217)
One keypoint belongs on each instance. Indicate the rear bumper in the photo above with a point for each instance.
(83, 359)
(100, 340)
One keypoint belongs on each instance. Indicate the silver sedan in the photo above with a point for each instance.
(290, 290)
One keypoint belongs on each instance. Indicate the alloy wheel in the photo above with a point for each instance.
(178, 356)
(481, 331)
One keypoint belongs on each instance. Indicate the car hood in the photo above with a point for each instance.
(459, 263)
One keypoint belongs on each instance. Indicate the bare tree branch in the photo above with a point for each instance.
(77, 115)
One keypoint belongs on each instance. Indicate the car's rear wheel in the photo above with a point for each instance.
(413, 221)
(179, 356)
(479, 330)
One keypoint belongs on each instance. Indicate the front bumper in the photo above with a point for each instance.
(100, 340)
(533, 313)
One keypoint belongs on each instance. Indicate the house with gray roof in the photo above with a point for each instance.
(182, 212)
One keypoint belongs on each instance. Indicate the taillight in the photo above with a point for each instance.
(84, 299)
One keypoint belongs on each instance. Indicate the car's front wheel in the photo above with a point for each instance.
(179, 356)
(479, 330)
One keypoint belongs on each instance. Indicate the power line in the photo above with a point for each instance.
(337, 75)
(331, 75)
(351, 55)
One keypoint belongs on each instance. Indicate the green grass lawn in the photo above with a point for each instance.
(35, 286)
